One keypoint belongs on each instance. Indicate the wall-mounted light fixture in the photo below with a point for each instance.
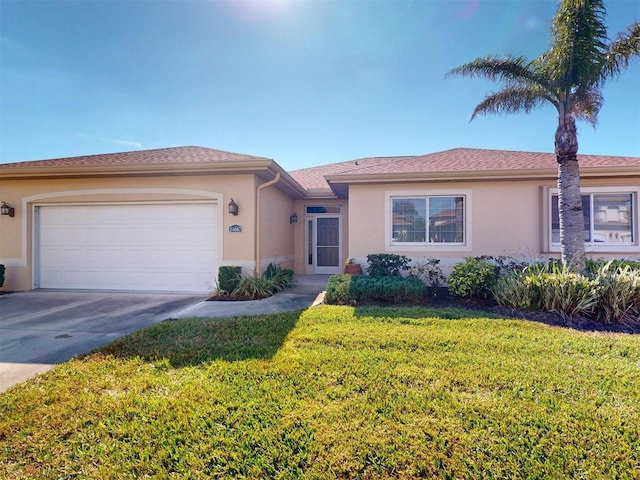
(7, 209)
(293, 218)
(233, 207)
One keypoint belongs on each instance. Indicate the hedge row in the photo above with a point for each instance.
(350, 290)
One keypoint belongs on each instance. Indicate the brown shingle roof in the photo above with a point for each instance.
(174, 155)
(471, 159)
(313, 178)
(458, 160)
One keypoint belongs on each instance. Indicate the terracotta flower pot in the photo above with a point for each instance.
(353, 269)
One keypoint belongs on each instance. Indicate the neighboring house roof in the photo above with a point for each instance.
(456, 164)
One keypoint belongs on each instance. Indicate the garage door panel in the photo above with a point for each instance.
(172, 247)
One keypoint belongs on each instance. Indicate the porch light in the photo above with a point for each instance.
(7, 209)
(293, 218)
(233, 207)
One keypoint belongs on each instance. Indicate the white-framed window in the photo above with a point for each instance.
(610, 219)
(419, 219)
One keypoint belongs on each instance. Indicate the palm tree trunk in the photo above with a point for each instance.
(569, 196)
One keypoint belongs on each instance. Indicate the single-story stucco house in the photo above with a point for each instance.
(166, 219)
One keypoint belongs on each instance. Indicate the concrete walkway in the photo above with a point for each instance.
(308, 291)
(41, 328)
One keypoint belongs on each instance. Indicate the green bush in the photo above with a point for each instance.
(612, 296)
(348, 290)
(338, 288)
(593, 266)
(618, 293)
(386, 264)
(280, 277)
(505, 265)
(562, 291)
(1, 276)
(475, 277)
(549, 287)
(229, 278)
(428, 271)
(511, 291)
(254, 288)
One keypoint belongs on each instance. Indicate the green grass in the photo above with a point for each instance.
(334, 392)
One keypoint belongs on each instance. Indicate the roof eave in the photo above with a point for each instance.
(321, 193)
(265, 169)
(111, 170)
(476, 175)
(441, 176)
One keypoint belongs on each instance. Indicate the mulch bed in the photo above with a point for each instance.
(441, 298)
(225, 297)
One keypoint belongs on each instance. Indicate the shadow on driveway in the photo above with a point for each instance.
(43, 327)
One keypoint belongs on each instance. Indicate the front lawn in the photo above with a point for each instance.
(334, 392)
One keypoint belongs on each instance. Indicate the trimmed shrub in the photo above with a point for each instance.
(348, 290)
(386, 264)
(338, 287)
(229, 278)
(475, 277)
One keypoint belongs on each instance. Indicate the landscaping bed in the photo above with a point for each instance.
(606, 297)
(440, 298)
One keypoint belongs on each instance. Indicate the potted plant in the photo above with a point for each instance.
(352, 268)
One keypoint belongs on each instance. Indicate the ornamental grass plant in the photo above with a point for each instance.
(610, 293)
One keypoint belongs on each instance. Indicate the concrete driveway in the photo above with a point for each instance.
(41, 328)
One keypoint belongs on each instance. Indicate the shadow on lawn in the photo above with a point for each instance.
(191, 342)
(441, 305)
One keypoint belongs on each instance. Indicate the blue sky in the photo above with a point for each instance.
(305, 82)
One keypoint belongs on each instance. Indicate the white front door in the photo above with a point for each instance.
(324, 237)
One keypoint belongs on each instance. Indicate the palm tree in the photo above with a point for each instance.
(570, 76)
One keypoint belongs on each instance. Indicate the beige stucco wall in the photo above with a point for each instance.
(506, 218)
(276, 233)
(16, 234)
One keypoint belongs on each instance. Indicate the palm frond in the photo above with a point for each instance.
(508, 68)
(586, 105)
(512, 99)
(569, 75)
(622, 50)
(578, 43)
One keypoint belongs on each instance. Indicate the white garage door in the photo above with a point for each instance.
(170, 247)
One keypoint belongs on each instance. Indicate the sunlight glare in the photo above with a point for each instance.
(256, 10)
